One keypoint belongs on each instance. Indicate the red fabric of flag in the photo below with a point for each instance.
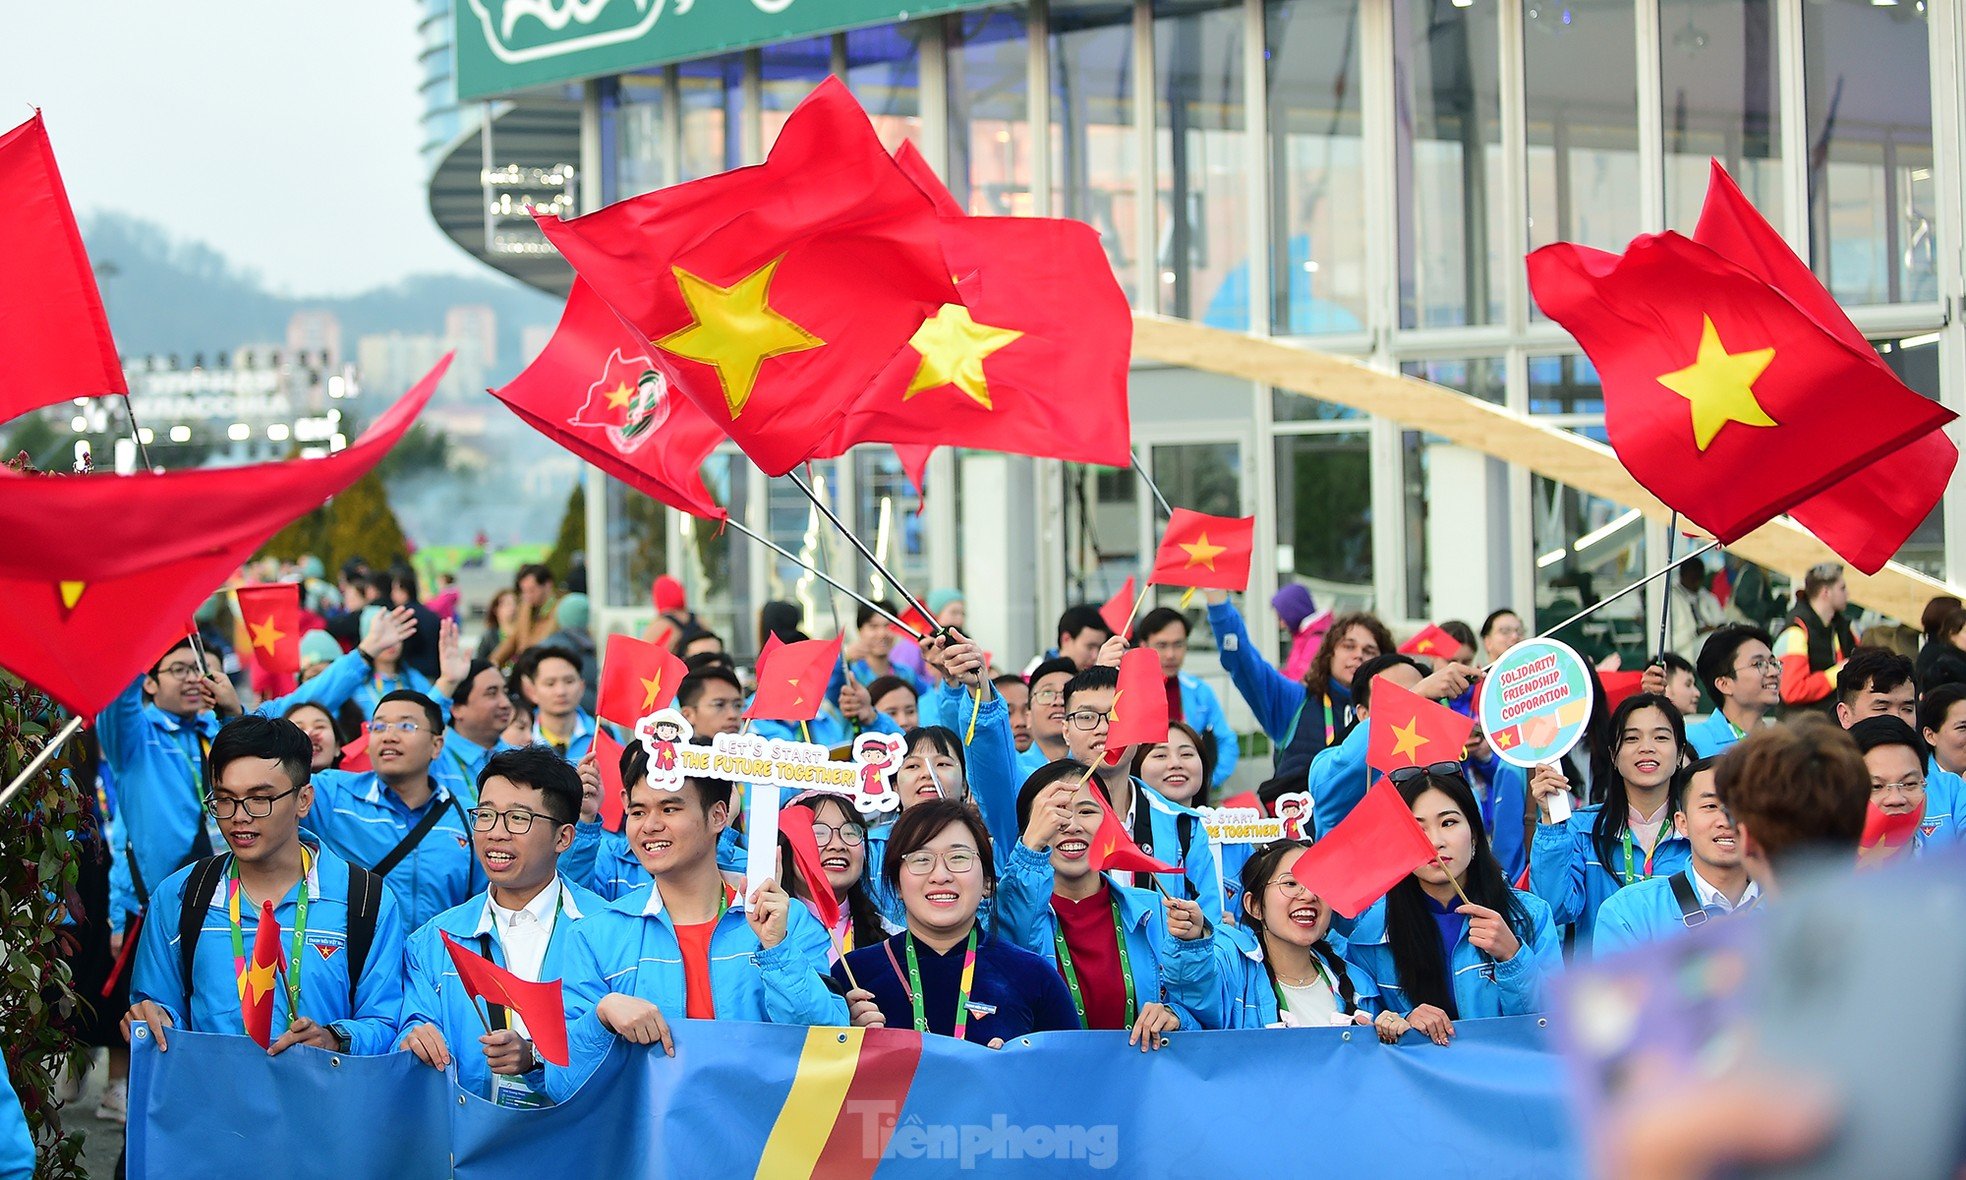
(1118, 610)
(271, 614)
(355, 755)
(1139, 705)
(54, 338)
(1432, 642)
(913, 617)
(1887, 831)
(1619, 685)
(1367, 853)
(256, 987)
(607, 759)
(541, 1005)
(637, 678)
(1112, 845)
(796, 822)
(792, 684)
(100, 571)
(773, 296)
(1407, 729)
(595, 391)
(1211, 552)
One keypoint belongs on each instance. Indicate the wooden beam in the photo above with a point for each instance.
(1571, 459)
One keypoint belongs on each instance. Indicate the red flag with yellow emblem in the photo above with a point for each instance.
(258, 978)
(1210, 552)
(1433, 641)
(271, 614)
(1407, 729)
(792, 683)
(1140, 704)
(637, 678)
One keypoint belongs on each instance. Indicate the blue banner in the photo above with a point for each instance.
(753, 1099)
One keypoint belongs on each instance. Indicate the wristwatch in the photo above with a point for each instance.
(531, 1060)
(341, 1041)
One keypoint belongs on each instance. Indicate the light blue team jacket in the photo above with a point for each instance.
(370, 1024)
(363, 820)
(1564, 870)
(1482, 986)
(1945, 807)
(1644, 911)
(630, 946)
(1229, 987)
(1339, 779)
(434, 995)
(1711, 735)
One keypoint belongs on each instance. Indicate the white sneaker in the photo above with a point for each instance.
(115, 1104)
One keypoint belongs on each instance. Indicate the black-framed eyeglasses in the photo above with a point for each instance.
(257, 806)
(518, 821)
(851, 834)
(1407, 774)
(1088, 720)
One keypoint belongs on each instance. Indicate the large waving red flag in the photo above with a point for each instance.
(541, 1005)
(271, 614)
(796, 822)
(54, 338)
(1211, 552)
(100, 571)
(1407, 729)
(792, 684)
(594, 391)
(637, 678)
(1366, 854)
(257, 979)
(774, 295)
(1139, 706)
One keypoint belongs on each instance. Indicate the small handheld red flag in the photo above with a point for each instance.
(637, 678)
(1432, 642)
(607, 759)
(1211, 552)
(792, 685)
(1885, 833)
(256, 981)
(796, 822)
(271, 614)
(355, 755)
(1139, 706)
(1619, 685)
(541, 1005)
(913, 617)
(1367, 853)
(1407, 729)
(1118, 610)
(1113, 847)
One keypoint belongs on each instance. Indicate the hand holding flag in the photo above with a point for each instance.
(607, 759)
(271, 614)
(1367, 853)
(541, 1005)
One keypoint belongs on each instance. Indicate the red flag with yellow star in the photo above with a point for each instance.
(1432, 642)
(792, 683)
(772, 296)
(1407, 729)
(637, 678)
(1211, 552)
(1722, 396)
(1367, 853)
(257, 979)
(1139, 705)
(271, 614)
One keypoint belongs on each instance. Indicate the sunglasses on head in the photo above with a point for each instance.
(1407, 774)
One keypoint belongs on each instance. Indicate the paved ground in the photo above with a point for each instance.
(103, 1141)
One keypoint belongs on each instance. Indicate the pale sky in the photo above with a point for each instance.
(283, 133)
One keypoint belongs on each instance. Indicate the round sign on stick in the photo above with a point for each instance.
(1535, 702)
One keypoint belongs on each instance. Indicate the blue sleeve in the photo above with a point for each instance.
(1193, 972)
(1540, 958)
(1199, 868)
(1615, 930)
(117, 725)
(423, 980)
(1216, 722)
(836, 682)
(1556, 871)
(1273, 697)
(588, 1040)
(379, 995)
(157, 976)
(991, 760)
(16, 1144)
(944, 705)
(1339, 778)
(1510, 784)
(795, 973)
(1024, 887)
(330, 690)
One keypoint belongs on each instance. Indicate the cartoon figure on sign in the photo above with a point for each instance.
(876, 757)
(660, 733)
(1294, 809)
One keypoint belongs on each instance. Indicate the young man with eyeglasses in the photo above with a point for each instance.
(688, 943)
(399, 820)
(1047, 716)
(1739, 670)
(1714, 883)
(528, 803)
(1896, 756)
(336, 924)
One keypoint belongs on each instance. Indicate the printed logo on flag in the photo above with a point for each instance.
(531, 30)
(630, 402)
(1535, 702)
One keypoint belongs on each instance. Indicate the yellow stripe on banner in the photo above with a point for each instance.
(826, 1068)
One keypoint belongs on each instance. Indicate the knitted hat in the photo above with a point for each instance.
(572, 613)
(318, 647)
(1293, 604)
(940, 600)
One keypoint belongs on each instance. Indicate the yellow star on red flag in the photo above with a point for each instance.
(735, 330)
(651, 688)
(266, 634)
(1720, 385)
(1200, 552)
(1408, 740)
(952, 346)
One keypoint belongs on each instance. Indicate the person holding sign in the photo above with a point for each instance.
(839, 832)
(1714, 884)
(1109, 939)
(1578, 862)
(1452, 941)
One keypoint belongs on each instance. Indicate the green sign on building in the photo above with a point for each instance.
(508, 45)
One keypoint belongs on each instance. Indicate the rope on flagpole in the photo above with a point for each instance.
(1647, 580)
(860, 545)
(33, 768)
(788, 555)
(1152, 487)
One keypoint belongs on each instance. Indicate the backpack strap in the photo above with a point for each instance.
(199, 889)
(408, 843)
(364, 904)
(1691, 912)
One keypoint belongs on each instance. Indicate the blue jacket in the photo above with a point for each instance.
(363, 820)
(1502, 789)
(16, 1144)
(1945, 807)
(583, 735)
(1644, 911)
(1564, 870)
(1275, 699)
(1340, 778)
(1229, 988)
(827, 729)
(1203, 713)
(370, 1024)
(434, 995)
(461, 763)
(374, 687)
(1197, 878)
(156, 763)
(616, 873)
(630, 946)
(1482, 987)
(1711, 735)
(1024, 917)
(577, 863)
(865, 674)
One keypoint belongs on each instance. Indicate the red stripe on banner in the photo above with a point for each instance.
(888, 1058)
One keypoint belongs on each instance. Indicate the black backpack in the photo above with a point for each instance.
(364, 904)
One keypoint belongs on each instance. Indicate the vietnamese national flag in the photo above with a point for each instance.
(637, 678)
(271, 614)
(1211, 552)
(1432, 642)
(792, 684)
(1140, 704)
(1619, 685)
(541, 1005)
(355, 755)
(1710, 373)
(773, 296)
(796, 823)
(257, 983)
(596, 393)
(1112, 846)
(1368, 852)
(1885, 833)
(1118, 610)
(100, 571)
(54, 338)
(1407, 729)
(607, 759)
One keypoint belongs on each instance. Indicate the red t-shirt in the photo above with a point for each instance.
(695, 943)
(1088, 929)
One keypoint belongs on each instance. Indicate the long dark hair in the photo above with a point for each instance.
(1614, 815)
(864, 916)
(1256, 874)
(1419, 964)
(1317, 681)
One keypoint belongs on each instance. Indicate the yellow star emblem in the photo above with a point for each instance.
(1504, 740)
(266, 635)
(1407, 742)
(71, 593)
(1720, 386)
(620, 396)
(953, 346)
(651, 686)
(257, 982)
(735, 330)
(1200, 552)
(1113, 712)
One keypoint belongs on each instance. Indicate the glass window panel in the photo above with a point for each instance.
(1324, 518)
(1564, 385)
(786, 74)
(1872, 198)
(1581, 62)
(1317, 168)
(638, 531)
(1718, 68)
(639, 147)
(1203, 162)
(989, 123)
(1915, 359)
(712, 98)
(1448, 151)
(1286, 406)
(1484, 378)
(1095, 159)
(882, 71)
(887, 520)
(1102, 533)
(1585, 550)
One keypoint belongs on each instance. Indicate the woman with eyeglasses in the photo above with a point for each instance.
(943, 974)
(841, 836)
(1452, 941)
(1629, 837)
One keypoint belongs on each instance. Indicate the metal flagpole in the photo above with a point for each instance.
(775, 547)
(1647, 580)
(56, 742)
(1152, 487)
(1665, 616)
(865, 552)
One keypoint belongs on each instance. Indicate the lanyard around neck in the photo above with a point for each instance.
(919, 1001)
(1626, 840)
(1330, 724)
(239, 965)
(1317, 966)
(1071, 974)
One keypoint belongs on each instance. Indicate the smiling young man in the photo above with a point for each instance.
(337, 923)
(1047, 715)
(1896, 757)
(688, 943)
(528, 803)
(1714, 883)
(550, 678)
(481, 708)
(1744, 679)
(399, 820)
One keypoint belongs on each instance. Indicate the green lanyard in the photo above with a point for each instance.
(239, 964)
(1626, 839)
(916, 998)
(1072, 975)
